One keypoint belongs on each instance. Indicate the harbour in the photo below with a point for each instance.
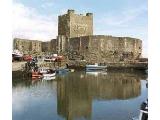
(79, 74)
(80, 96)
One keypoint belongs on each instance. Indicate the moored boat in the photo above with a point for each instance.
(49, 59)
(143, 111)
(17, 55)
(43, 70)
(95, 67)
(62, 71)
(36, 75)
(49, 75)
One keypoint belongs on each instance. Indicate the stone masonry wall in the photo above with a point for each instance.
(46, 46)
(100, 48)
(62, 43)
(75, 25)
(27, 46)
(53, 45)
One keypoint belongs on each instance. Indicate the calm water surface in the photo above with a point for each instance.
(80, 96)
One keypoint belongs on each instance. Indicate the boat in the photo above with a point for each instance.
(49, 59)
(71, 70)
(17, 55)
(143, 111)
(36, 75)
(49, 78)
(50, 75)
(62, 70)
(43, 70)
(95, 67)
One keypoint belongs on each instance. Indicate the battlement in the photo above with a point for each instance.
(70, 11)
(89, 14)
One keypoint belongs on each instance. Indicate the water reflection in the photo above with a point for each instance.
(76, 92)
(72, 96)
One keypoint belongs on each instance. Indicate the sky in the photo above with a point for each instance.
(38, 19)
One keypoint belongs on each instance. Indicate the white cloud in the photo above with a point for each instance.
(28, 23)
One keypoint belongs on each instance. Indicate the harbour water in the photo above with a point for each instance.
(80, 96)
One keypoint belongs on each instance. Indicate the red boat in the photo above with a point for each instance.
(36, 75)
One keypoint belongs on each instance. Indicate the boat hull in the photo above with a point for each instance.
(93, 67)
(49, 76)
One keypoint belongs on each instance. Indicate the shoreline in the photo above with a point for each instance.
(19, 66)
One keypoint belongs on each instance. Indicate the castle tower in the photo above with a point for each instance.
(75, 25)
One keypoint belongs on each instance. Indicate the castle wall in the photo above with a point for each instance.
(62, 43)
(27, 46)
(53, 45)
(46, 46)
(50, 46)
(36, 46)
(100, 48)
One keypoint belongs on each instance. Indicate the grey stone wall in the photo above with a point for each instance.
(36, 46)
(100, 48)
(27, 46)
(53, 45)
(50, 46)
(62, 43)
(75, 25)
(46, 46)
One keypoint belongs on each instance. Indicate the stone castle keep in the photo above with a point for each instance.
(76, 40)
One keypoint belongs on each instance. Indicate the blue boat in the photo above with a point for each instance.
(62, 71)
(95, 67)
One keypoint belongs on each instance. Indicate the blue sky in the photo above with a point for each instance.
(37, 19)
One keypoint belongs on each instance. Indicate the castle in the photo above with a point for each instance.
(76, 40)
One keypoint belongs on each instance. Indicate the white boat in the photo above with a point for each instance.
(17, 55)
(49, 78)
(43, 70)
(143, 111)
(49, 59)
(95, 67)
(49, 75)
